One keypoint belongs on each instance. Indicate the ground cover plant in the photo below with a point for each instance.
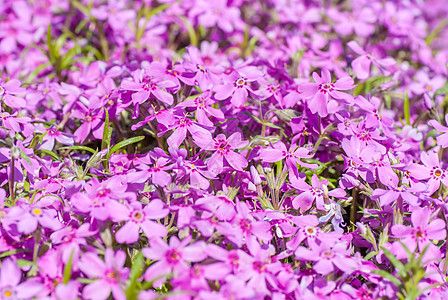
(225, 149)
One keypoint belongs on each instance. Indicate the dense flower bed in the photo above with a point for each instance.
(225, 149)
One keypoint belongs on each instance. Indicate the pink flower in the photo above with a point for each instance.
(8, 92)
(237, 85)
(442, 140)
(144, 86)
(203, 105)
(224, 148)
(321, 92)
(422, 232)
(431, 170)
(110, 275)
(142, 218)
(361, 65)
(278, 152)
(10, 286)
(172, 257)
(327, 256)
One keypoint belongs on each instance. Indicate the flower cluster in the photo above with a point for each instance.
(223, 149)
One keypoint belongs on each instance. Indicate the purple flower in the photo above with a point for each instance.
(314, 193)
(442, 140)
(51, 135)
(431, 170)
(172, 257)
(327, 256)
(237, 85)
(278, 152)
(29, 217)
(144, 86)
(10, 286)
(361, 65)
(110, 274)
(183, 125)
(8, 92)
(223, 147)
(142, 218)
(422, 232)
(323, 90)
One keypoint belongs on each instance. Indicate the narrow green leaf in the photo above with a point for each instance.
(67, 61)
(370, 255)
(407, 113)
(397, 264)
(78, 148)
(387, 276)
(125, 143)
(23, 263)
(105, 143)
(68, 269)
(13, 252)
(50, 153)
(191, 31)
(24, 156)
(136, 271)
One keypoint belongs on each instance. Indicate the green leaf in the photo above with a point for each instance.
(68, 269)
(24, 156)
(107, 132)
(395, 262)
(387, 276)
(85, 280)
(442, 91)
(78, 148)
(37, 71)
(136, 272)
(50, 153)
(125, 143)
(67, 61)
(13, 252)
(23, 263)
(191, 31)
(51, 49)
(370, 255)
(406, 108)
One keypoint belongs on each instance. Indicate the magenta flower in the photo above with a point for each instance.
(29, 217)
(203, 105)
(312, 194)
(155, 169)
(408, 194)
(15, 124)
(361, 21)
(183, 125)
(327, 256)
(431, 170)
(361, 65)
(144, 86)
(8, 92)
(110, 275)
(142, 218)
(92, 120)
(237, 85)
(101, 199)
(203, 75)
(224, 148)
(51, 135)
(10, 286)
(245, 225)
(422, 232)
(442, 140)
(278, 152)
(171, 258)
(324, 90)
